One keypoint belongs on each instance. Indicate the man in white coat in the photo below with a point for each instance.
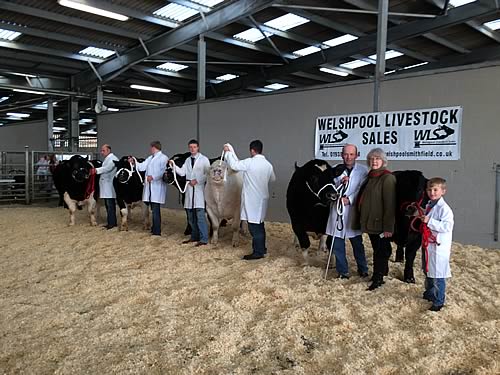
(257, 173)
(106, 189)
(340, 227)
(195, 169)
(436, 244)
(155, 190)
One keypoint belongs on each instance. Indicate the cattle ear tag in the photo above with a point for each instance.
(322, 168)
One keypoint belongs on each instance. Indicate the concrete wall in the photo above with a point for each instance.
(15, 137)
(285, 123)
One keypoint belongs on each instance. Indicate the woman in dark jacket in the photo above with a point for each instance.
(377, 213)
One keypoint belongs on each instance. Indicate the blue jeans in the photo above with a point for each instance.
(111, 211)
(156, 227)
(198, 222)
(435, 290)
(258, 232)
(341, 259)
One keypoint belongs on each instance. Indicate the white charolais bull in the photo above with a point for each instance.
(223, 198)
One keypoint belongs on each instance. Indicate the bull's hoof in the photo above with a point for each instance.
(409, 280)
(93, 224)
(236, 243)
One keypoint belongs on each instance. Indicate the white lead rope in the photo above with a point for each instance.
(130, 171)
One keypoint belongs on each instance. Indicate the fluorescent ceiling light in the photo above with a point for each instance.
(493, 25)
(29, 91)
(3, 98)
(9, 35)
(354, 64)
(391, 54)
(251, 35)
(415, 65)
(93, 10)
(276, 86)
(306, 51)
(58, 128)
(149, 88)
(340, 40)
(1, 123)
(458, 3)
(223, 78)
(390, 72)
(97, 52)
(208, 3)
(18, 115)
(14, 118)
(59, 119)
(175, 12)
(334, 71)
(89, 132)
(23, 75)
(172, 67)
(262, 89)
(85, 120)
(113, 109)
(286, 22)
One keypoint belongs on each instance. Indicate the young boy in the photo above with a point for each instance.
(436, 259)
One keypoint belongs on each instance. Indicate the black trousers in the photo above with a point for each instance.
(381, 253)
(111, 211)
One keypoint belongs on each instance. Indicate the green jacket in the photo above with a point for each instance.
(378, 203)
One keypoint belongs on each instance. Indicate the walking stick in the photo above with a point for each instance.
(329, 258)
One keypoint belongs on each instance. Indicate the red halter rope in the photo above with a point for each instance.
(427, 236)
(90, 186)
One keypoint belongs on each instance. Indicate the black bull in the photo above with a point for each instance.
(309, 211)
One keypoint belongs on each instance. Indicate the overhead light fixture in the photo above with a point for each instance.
(85, 120)
(226, 77)
(58, 128)
(390, 72)
(251, 35)
(113, 109)
(23, 75)
(97, 52)
(175, 12)
(354, 64)
(3, 98)
(340, 40)
(89, 132)
(93, 10)
(9, 35)
(1, 123)
(172, 67)
(459, 3)
(18, 115)
(493, 25)
(306, 51)
(286, 22)
(416, 65)
(391, 54)
(29, 91)
(334, 71)
(208, 3)
(59, 119)
(276, 86)
(14, 118)
(149, 88)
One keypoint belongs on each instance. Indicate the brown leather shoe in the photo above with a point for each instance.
(198, 244)
(188, 241)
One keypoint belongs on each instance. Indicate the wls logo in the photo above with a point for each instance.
(332, 139)
(437, 136)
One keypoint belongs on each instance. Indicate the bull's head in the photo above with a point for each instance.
(319, 181)
(80, 168)
(179, 159)
(217, 171)
(124, 170)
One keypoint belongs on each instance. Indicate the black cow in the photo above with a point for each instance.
(129, 184)
(76, 186)
(410, 193)
(309, 195)
(168, 177)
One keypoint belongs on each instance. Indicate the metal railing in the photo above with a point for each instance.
(26, 176)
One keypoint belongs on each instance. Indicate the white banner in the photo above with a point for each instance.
(422, 134)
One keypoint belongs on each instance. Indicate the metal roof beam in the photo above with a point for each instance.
(170, 40)
(364, 45)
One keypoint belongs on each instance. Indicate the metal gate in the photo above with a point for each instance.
(26, 176)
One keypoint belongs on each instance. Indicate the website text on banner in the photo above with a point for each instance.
(421, 134)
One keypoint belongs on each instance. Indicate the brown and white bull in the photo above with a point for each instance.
(77, 186)
(223, 199)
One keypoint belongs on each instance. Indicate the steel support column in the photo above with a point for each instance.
(73, 124)
(50, 125)
(383, 11)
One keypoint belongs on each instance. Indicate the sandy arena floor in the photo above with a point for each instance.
(85, 300)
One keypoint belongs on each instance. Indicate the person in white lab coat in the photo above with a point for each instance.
(340, 227)
(155, 190)
(257, 173)
(436, 258)
(195, 169)
(106, 189)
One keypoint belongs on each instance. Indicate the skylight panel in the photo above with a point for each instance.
(226, 77)
(3, 98)
(306, 51)
(354, 64)
(251, 35)
(172, 67)
(97, 52)
(334, 71)
(208, 3)
(391, 54)
(340, 40)
(276, 86)
(286, 22)
(9, 35)
(493, 25)
(459, 3)
(175, 12)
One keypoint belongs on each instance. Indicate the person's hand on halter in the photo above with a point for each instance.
(93, 171)
(346, 201)
(171, 162)
(193, 182)
(149, 178)
(131, 160)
